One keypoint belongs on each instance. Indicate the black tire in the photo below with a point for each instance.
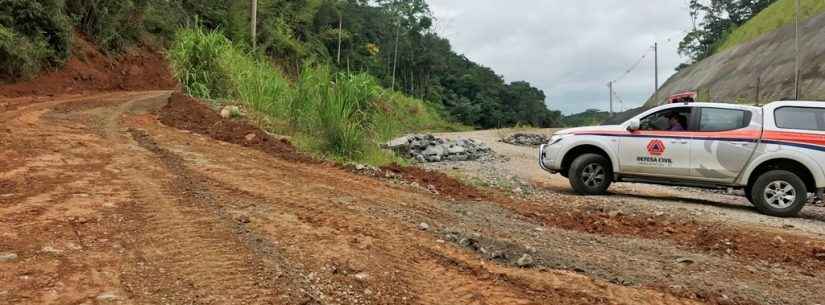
(781, 184)
(590, 174)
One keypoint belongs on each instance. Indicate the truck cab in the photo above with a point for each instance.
(774, 153)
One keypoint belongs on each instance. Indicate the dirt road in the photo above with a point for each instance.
(103, 202)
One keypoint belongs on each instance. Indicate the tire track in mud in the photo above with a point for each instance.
(279, 276)
(188, 248)
(378, 221)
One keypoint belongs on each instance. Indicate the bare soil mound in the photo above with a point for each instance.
(90, 70)
(187, 113)
(444, 184)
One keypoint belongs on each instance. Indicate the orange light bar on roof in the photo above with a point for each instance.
(683, 97)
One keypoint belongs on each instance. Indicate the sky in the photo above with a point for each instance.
(570, 49)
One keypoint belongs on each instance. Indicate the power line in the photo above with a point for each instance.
(652, 48)
(634, 66)
(644, 56)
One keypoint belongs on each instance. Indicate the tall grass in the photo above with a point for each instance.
(197, 61)
(777, 15)
(256, 83)
(335, 115)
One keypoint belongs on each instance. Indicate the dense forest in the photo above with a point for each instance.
(392, 40)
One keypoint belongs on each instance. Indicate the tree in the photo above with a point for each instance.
(719, 18)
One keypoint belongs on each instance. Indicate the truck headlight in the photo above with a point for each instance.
(556, 138)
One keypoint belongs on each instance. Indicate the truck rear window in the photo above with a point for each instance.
(805, 118)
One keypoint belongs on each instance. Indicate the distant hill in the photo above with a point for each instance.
(587, 118)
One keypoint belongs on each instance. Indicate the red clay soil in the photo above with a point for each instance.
(89, 70)
(445, 185)
(774, 247)
(187, 113)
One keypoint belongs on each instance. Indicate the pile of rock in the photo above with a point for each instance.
(428, 148)
(526, 139)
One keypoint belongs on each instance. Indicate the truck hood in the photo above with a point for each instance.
(590, 129)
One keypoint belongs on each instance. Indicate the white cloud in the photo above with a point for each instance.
(569, 49)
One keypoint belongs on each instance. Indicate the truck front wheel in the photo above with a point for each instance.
(779, 193)
(590, 174)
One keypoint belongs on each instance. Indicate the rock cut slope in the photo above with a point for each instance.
(732, 75)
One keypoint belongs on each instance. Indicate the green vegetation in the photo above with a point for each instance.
(33, 34)
(590, 117)
(20, 57)
(351, 36)
(338, 115)
(774, 17)
(362, 37)
(113, 24)
(718, 18)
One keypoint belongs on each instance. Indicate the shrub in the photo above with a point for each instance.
(256, 83)
(277, 40)
(341, 116)
(40, 27)
(398, 114)
(157, 16)
(20, 57)
(196, 62)
(343, 113)
(113, 24)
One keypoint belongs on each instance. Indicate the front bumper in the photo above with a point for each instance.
(546, 159)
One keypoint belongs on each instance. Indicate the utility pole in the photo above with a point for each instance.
(796, 62)
(340, 30)
(610, 88)
(655, 67)
(254, 21)
(395, 58)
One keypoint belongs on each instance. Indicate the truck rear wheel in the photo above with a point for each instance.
(779, 193)
(590, 174)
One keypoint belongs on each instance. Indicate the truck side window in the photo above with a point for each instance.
(720, 119)
(800, 118)
(673, 119)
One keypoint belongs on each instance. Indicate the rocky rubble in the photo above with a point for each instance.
(428, 148)
(526, 139)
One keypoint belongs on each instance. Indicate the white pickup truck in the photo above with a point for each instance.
(776, 153)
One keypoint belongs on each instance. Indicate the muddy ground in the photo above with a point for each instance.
(118, 198)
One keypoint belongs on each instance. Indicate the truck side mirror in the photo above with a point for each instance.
(633, 125)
